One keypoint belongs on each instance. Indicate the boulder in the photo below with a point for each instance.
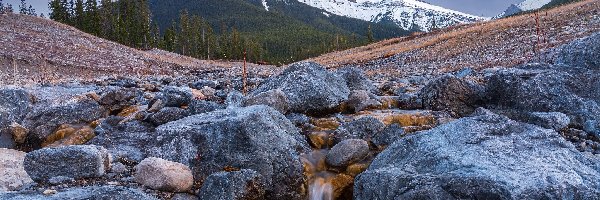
(164, 175)
(76, 161)
(237, 185)
(363, 128)
(119, 98)
(234, 99)
(174, 96)
(255, 137)
(45, 118)
(11, 170)
(486, 156)
(90, 192)
(449, 93)
(199, 107)
(360, 100)
(203, 83)
(551, 120)
(544, 88)
(125, 142)
(15, 103)
(347, 152)
(356, 79)
(388, 135)
(583, 52)
(309, 88)
(273, 98)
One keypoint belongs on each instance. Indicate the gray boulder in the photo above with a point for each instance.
(200, 106)
(83, 193)
(174, 96)
(14, 105)
(167, 114)
(45, 118)
(238, 185)
(126, 142)
(360, 100)
(234, 99)
(255, 137)
(309, 88)
(118, 98)
(347, 152)
(388, 135)
(356, 79)
(486, 156)
(77, 161)
(551, 120)
(448, 93)
(273, 98)
(363, 128)
(584, 52)
(12, 172)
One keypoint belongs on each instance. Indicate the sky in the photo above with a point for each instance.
(486, 8)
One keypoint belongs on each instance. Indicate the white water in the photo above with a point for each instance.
(320, 189)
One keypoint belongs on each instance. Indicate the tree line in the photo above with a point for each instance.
(129, 22)
(24, 8)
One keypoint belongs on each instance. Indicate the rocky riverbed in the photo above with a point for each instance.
(523, 132)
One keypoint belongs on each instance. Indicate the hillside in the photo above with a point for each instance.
(60, 52)
(503, 42)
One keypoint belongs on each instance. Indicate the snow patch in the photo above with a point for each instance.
(326, 14)
(264, 3)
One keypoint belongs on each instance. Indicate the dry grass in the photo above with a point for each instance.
(503, 42)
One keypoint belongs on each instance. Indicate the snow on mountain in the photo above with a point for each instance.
(523, 6)
(264, 3)
(408, 14)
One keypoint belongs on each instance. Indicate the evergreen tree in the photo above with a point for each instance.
(78, 16)
(58, 11)
(370, 34)
(91, 18)
(2, 8)
(23, 8)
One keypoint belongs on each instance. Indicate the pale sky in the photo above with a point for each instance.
(486, 8)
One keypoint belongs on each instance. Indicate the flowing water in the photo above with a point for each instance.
(320, 185)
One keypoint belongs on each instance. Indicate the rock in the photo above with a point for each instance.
(71, 137)
(347, 152)
(298, 119)
(464, 72)
(199, 107)
(448, 93)
(44, 119)
(15, 103)
(164, 175)
(156, 105)
(90, 192)
(125, 141)
(167, 114)
(119, 98)
(58, 180)
(543, 88)
(203, 83)
(237, 185)
(410, 102)
(309, 88)
(388, 135)
(77, 161)
(583, 52)
(273, 98)
(18, 132)
(118, 168)
(356, 79)
(360, 100)
(234, 99)
(184, 196)
(255, 137)
(363, 128)
(486, 156)
(11, 170)
(551, 120)
(174, 96)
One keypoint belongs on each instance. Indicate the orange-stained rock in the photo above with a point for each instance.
(325, 123)
(357, 168)
(61, 132)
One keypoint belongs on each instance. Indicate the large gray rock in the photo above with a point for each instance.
(46, 117)
(14, 105)
(309, 88)
(238, 185)
(256, 137)
(486, 156)
(174, 96)
(273, 98)
(167, 114)
(11, 170)
(448, 93)
(164, 175)
(584, 52)
(544, 88)
(200, 106)
(76, 161)
(347, 152)
(83, 193)
(356, 79)
(125, 141)
(119, 98)
(363, 128)
(360, 100)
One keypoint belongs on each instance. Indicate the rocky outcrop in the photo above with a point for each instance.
(486, 156)
(237, 185)
(76, 161)
(309, 88)
(256, 137)
(449, 93)
(91, 192)
(163, 175)
(11, 170)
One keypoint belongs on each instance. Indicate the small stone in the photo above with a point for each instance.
(163, 175)
(347, 152)
(49, 192)
(18, 132)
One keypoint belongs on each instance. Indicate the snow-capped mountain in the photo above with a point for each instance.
(408, 14)
(523, 6)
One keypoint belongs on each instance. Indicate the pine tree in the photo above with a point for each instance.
(31, 11)
(2, 8)
(92, 17)
(78, 16)
(23, 8)
(370, 34)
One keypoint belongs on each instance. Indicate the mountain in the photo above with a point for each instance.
(526, 5)
(287, 30)
(407, 14)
